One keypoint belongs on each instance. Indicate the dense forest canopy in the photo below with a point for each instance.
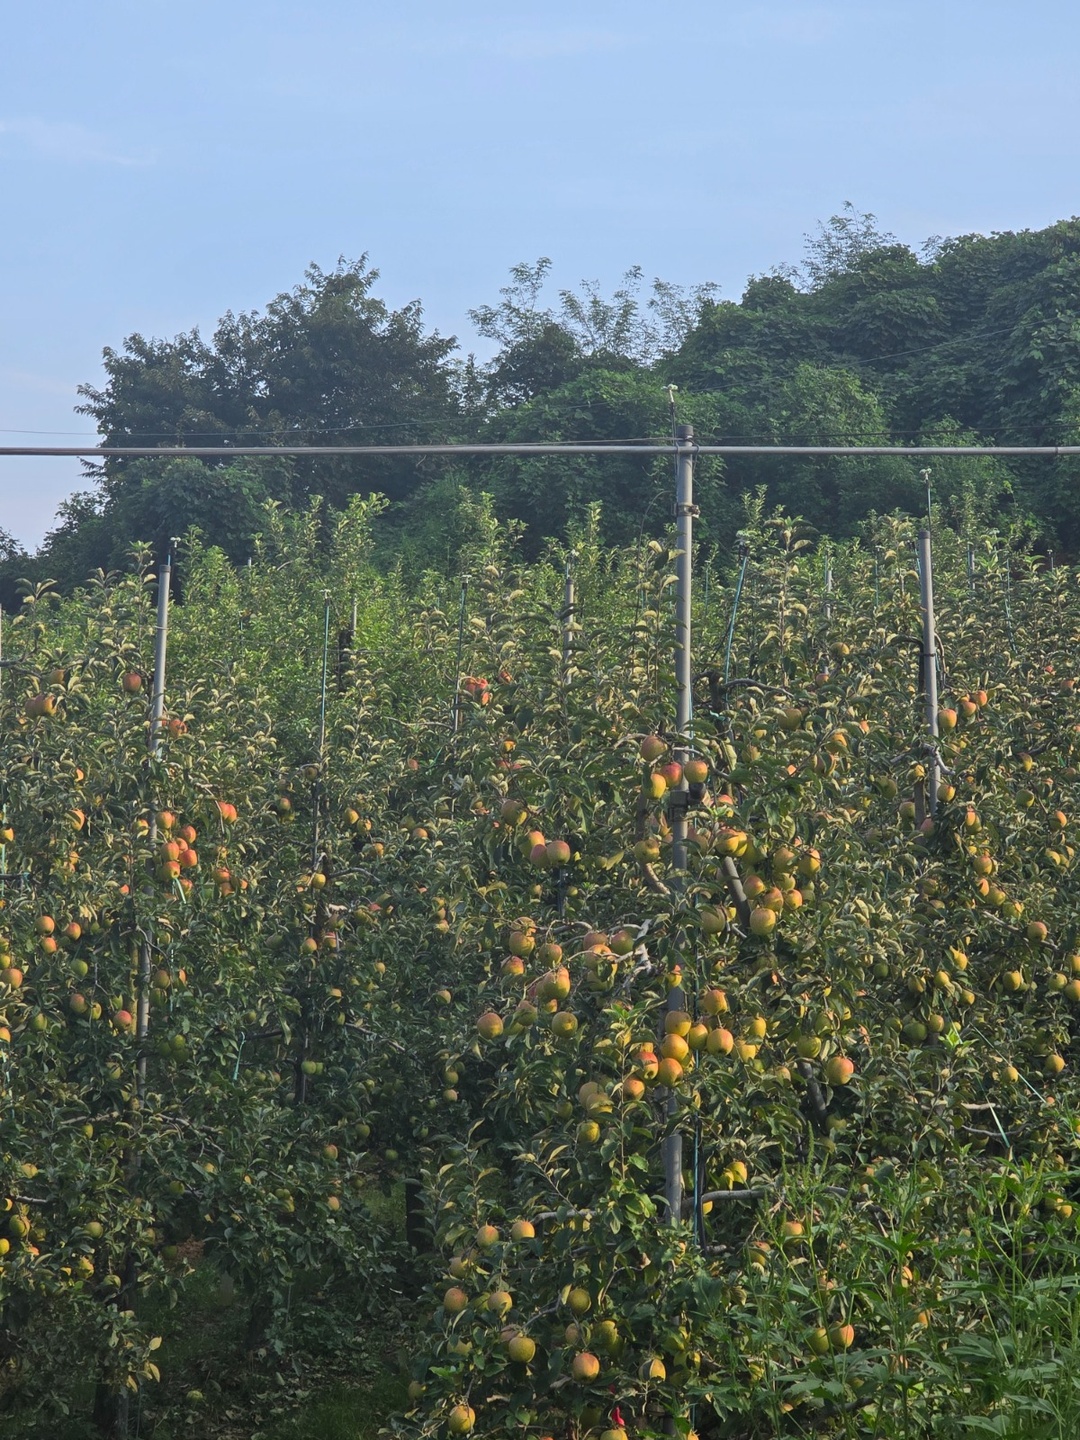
(975, 338)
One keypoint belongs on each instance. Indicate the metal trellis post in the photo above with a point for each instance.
(930, 688)
(685, 511)
(157, 719)
(568, 616)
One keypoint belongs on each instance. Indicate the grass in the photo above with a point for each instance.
(343, 1413)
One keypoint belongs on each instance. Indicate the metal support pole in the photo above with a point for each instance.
(317, 785)
(161, 645)
(568, 615)
(828, 585)
(157, 717)
(971, 567)
(685, 511)
(118, 1404)
(930, 690)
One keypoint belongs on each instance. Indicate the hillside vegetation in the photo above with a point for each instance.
(973, 338)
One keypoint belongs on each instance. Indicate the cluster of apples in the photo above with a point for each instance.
(966, 708)
(771, 896)
(11, 974)
(586, 1340)
(44, 705)
(543, 853)
(773, 882)
(41, 706)
(550, 982)
(685, 1038)
(49, 936)
(659, 779)
(477, 688)
(176, 852)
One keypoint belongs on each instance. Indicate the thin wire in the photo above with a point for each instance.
(699, 1217)
(531, 447)
(734, 613)
(925, 349)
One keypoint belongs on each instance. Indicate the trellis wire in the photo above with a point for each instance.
(744, 550)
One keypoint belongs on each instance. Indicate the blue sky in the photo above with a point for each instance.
(163, 162)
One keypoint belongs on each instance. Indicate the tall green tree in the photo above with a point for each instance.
(869, 340)
(327, 362)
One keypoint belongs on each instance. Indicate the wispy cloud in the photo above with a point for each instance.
(72, 143)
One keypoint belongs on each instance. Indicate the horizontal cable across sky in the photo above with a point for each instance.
(219, 452)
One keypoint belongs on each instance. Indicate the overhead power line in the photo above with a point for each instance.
(235, 452)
